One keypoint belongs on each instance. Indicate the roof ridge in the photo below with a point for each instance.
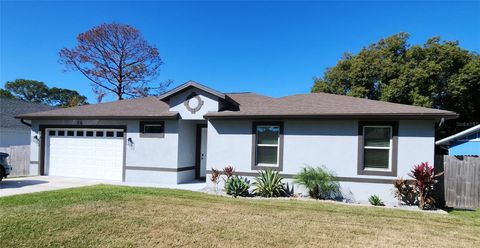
(244, 92)
(361, 99)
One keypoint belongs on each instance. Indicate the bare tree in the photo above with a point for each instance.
(117, 60)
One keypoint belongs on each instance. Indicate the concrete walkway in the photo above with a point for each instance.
(25, 185)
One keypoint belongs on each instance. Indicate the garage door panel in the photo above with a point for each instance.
(87, 157)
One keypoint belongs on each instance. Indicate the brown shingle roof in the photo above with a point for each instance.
(9, 108)
(140, 108)
(251, 105)
(322, 105)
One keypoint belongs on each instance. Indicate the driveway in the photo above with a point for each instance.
(25, 185)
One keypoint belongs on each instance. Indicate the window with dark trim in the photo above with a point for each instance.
(267, 147)
(52, 132)
(377, 148)
(152, 129)
(70, 133)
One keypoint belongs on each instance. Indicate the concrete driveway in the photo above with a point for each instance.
(24, 185)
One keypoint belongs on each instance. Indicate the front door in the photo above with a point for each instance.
(201, 151)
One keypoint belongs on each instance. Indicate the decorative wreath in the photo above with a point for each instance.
(199, 104)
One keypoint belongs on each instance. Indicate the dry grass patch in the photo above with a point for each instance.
(115, 216)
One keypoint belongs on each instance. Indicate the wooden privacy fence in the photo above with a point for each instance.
(461, 181)
(19, 159)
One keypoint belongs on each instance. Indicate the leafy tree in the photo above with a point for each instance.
(116, 59)
(28, 90)
(6, 94)
(65, 98)
(438, 74)
(38, 92)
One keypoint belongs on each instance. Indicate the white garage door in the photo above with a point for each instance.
(85, 153)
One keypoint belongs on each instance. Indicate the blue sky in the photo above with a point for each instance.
(273, 48)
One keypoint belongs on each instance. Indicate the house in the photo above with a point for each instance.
(465, 143)
(12, 131)
(184, 133)
(15, 135)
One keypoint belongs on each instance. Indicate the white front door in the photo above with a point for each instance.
(85, 153)
(203, 153)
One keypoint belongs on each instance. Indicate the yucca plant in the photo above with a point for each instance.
(425, 179)
(319, 181)
(375, 200)
(269, 184)
(237, 186)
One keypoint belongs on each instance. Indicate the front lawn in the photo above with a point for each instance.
(118, 216)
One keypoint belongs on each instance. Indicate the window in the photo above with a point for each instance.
(70, 133)
(89, 133)
(152, 129)
(51, 132)
(377, 148)
(110, 133)
(99, 134)
(61, 133)
(79, 133)
(119, 134)
(267, 147)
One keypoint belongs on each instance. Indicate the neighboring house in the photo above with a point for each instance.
(184, 133)
(12, 131)
(466, 143)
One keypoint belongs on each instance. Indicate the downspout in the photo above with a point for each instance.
(25, 123)
(442, 122)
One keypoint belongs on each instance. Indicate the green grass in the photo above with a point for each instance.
(117, 216)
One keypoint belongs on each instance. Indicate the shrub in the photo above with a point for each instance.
(375, 200)
(288, 190)
(228, 171)
(215, 176)
(269, 184)
(425, 179)
(237, 186)
(405, 191)
(320, 182)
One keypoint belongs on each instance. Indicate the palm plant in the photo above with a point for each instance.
(269, 184)
(320, 182)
